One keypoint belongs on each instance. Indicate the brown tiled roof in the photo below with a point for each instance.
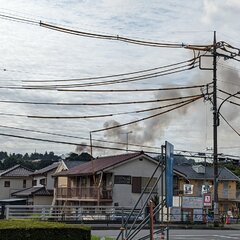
(99, 164)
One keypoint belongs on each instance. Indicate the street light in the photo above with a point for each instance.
(218, 111)
(127, 138)
(215, 154)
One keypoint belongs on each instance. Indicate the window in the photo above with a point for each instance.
(6, 183)
(122, 179)
(34, 183)
(43, 181)
(24, 183)
(150, 185)
(136, 185)
(139, 183)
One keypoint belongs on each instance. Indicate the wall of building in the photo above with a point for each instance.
(50, 180)
(15, 185)
(122, 193)
(42, 200)
(227, 189)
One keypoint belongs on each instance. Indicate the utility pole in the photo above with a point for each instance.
(215, 135)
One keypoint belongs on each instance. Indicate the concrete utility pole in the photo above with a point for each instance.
(215, 135)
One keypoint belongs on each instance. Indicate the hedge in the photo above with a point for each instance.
(35, 230)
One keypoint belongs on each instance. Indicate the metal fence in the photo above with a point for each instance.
(70, 213)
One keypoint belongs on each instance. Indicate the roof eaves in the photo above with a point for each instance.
(9, 170)
(123, 162)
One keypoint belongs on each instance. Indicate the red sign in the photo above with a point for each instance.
(207, 200)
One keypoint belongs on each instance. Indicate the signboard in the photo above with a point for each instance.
(207, 200)
(205, 188)
(169, 174)
(188, 189)
(175, 214)
(192, 202)
(197, 215)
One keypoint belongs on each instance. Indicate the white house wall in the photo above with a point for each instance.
(122, 193)
(15, 185)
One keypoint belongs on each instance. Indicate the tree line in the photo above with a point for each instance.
(36, 160)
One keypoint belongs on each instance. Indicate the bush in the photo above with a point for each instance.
(36, 230)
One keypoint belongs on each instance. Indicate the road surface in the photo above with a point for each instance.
(182, 234)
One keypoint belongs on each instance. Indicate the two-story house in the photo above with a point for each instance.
(198, 180)
(42, 190)
(14, 179)
(112, 180)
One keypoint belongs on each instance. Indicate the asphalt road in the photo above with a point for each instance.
(182, 234)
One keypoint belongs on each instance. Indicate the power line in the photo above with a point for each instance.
(227, 93)
(98, 103)
(132, 90)
(145, 118)
(107, 115)
(76, 137)
(124, 39)
(107, 90)
(229, 124)
(104, 36)
(123, 80)
(229, 101)
(65, 143)
(191, 61)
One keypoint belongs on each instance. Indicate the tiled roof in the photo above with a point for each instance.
(26, 192)
(47, 169)
(99, 164)
(37, 191)
(17, 171)
(224, 173)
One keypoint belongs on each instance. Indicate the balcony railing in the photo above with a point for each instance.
(84, 193)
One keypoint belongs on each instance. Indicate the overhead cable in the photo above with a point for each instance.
(229, 101)
(227, 93)
(146, 118)
(106, 115)
(107, 90)
(104, 36)
(123, 80)
(190, 61)
(76, 137)
(229, 124)
(99, 103)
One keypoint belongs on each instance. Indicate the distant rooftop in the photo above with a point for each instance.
(224, 173)
(47, 169)
(16, 171)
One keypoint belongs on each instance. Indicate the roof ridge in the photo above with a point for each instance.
(123, 154)
(9, 169)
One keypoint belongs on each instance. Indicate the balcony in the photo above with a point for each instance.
(84, 194)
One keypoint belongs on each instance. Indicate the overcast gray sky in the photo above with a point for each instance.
(31, 52)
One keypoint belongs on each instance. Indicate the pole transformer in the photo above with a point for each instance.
(215, 135)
